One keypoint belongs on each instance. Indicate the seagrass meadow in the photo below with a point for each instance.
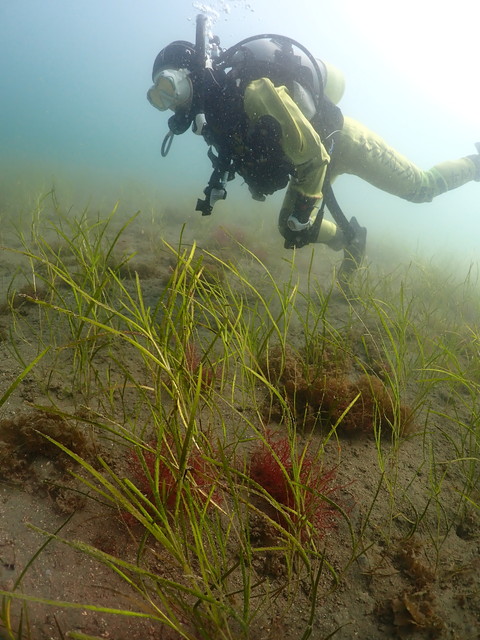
(203, 437)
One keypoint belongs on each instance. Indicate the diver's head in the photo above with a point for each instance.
(173, 85)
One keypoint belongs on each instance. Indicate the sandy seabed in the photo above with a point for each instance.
(402, 580)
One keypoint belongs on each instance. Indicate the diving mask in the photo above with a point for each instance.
(172, 89)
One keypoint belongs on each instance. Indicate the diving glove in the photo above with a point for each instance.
(303, 224)
(301, 218)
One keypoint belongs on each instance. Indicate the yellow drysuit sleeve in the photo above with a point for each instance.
(300, 142)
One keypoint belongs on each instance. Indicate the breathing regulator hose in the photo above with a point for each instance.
(199, 120)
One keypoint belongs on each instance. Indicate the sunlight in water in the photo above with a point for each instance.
(432, 43)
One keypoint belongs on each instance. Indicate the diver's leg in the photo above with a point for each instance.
(363, 153)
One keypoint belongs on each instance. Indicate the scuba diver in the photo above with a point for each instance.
(267, 110)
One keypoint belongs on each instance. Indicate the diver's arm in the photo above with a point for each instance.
(300, 142)
(303, 147)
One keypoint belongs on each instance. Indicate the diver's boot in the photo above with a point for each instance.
(353, 253)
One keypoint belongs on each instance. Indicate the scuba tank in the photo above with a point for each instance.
(333, 81)
(285, 62)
